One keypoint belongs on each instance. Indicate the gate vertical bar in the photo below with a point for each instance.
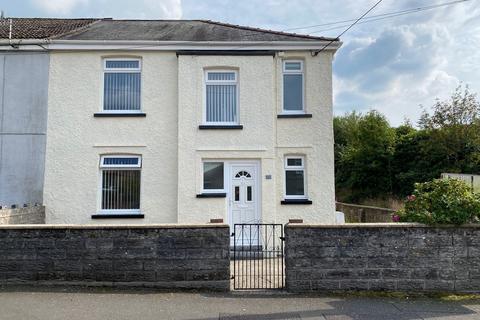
(282, 258)
(274, 258)
(234, 256)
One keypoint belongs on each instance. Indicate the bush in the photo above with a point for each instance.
(441, 201)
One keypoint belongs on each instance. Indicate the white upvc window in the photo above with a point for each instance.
(122, 79)
(213, 176)
(293, 87)
(221, 97)
(120, 184)
(295, 183)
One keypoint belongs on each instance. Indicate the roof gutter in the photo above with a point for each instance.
(136, 45)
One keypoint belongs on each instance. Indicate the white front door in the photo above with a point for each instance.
(244, 193)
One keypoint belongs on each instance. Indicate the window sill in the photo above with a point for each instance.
(212, 195)
(220, 127)
(296, 201)
(118, 216)
(295, 115)
(119, 114)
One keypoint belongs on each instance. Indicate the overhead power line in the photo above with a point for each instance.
(387, 14)
(349, 27)
(372, 18)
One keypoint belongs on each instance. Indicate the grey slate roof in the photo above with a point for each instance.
(147, 30)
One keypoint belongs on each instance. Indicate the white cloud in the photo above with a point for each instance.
(58, 6)
(410, 62)
(138, 9)
(166, 9)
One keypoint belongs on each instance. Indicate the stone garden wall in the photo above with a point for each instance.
(386, 257)
(159, 256)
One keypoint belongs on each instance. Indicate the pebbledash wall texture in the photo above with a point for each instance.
(386, 257)
(264, 136)
(157, 256)
(170, 142)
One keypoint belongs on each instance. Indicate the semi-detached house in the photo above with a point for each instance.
(166, 121)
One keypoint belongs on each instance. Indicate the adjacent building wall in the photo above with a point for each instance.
(23, 122)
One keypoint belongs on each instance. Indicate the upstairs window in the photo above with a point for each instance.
(295, 177)
(293, 84)
(221, 97)
(121, 85)
(120, 183)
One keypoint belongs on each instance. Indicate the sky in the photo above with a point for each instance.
(397, 65)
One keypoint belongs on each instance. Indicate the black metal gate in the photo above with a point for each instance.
(257, 256)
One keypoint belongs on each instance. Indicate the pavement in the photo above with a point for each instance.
(103, 304)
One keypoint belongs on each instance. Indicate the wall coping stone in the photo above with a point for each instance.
(114, 226)
(378, 225)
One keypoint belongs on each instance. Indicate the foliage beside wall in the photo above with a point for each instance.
(442, 201)
(375, 160)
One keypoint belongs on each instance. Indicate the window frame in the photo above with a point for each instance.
(120, 70)
(237, 93)
(297, 72)
(105, 167)
(224, 177)
(294, 168)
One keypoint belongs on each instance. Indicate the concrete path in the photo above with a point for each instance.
(103, 305)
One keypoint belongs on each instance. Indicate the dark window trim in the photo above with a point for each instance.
(295, 115)
(296, 201)
(119, 115)
(212, 195)
(117, 216)
(220, 127)
(226, 52)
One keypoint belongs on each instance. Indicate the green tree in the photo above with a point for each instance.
(454, 129)
(364, 154)
(374, 160)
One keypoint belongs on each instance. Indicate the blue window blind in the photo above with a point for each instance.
(221, 103)
(221, 97)
(122, 89)
(221, 76)
(122, 64)
(120, 189)
(120, 161)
